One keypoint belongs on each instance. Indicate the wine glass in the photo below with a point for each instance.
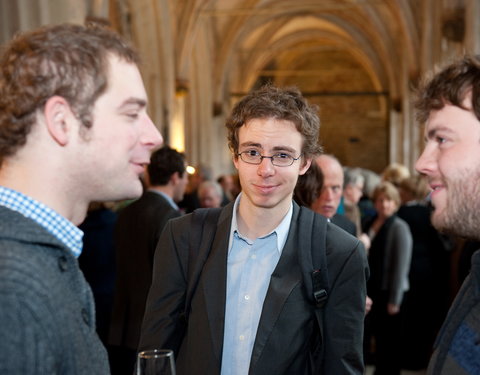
(155, 362)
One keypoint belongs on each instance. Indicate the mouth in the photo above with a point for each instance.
(436, 188)
(265, 189)
(139, 167)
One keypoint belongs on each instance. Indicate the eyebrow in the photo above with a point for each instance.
(432, 132)
(276, 148)
(133, 101)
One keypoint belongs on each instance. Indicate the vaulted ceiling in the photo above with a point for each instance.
(359, 60)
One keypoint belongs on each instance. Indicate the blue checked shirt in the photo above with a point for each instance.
(54, 223)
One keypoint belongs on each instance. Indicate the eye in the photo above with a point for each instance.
(440, 140)
(282, 155)
(133, 115)
(252, 153)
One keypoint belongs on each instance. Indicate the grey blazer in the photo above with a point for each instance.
(47, 319)
(287, 326)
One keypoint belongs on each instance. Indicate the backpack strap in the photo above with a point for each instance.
(312, 235)
(202, 233)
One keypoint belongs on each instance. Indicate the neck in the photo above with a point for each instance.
(165, 189)
(46, 188)
(254, 221)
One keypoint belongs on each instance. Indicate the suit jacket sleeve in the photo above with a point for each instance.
(163, 327)
(345, 308)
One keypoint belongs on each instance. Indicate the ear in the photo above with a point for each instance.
(58, 114)
(235, 160)
(306, 164)
(175, 178)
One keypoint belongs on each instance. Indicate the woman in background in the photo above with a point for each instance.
(389, 260)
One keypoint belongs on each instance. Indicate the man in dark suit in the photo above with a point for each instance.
(136, 235)
(250, 312)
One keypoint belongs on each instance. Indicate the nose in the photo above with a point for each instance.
(265, 168)
(327, 193)
(150, 135)
(425, 162)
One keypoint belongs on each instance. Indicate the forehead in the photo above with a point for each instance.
(331, 170)
(124, 79)
(451, 119)
(270, 133)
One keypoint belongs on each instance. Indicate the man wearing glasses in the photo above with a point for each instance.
(250, 312)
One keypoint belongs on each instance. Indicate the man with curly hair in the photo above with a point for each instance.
(449, 105)
(250, 311)
(73, 129)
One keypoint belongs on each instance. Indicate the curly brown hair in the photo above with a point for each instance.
(450, 86)
(282, 104)
(67, 60)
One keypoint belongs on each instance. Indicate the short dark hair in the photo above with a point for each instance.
(163, 164)
(67, 60)
(450, 86)
(309, 186)
(282, 104)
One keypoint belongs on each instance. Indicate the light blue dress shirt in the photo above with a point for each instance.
(249, 267)
(56, 224)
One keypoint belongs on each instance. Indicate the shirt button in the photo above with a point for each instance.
(63, 263)
(247, 297)
(241, 337)
(85, 317)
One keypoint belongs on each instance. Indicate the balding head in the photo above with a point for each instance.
(329, 199)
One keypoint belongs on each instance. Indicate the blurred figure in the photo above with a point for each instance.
(228, 187)
(352, 192)
(190, 200)
(371, 180)
(331, 193)
(395, 173)
(97, 262)
(210, 194)
(136, 236)
(427, 302)
(389, 261)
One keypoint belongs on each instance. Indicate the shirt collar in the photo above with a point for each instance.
(281, 230)
(62, 229)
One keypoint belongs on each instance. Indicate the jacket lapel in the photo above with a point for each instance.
(283, 280)
(215, 280)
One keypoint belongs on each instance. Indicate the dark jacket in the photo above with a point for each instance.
(346, 224)
(137, 232)
(287, 325)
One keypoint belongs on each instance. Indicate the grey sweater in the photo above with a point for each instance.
(47, 317)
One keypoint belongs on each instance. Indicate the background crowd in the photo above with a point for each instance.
(412, 283)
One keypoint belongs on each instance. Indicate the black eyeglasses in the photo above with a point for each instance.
(280, 160)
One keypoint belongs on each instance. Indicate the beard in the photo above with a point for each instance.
(461, 214)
